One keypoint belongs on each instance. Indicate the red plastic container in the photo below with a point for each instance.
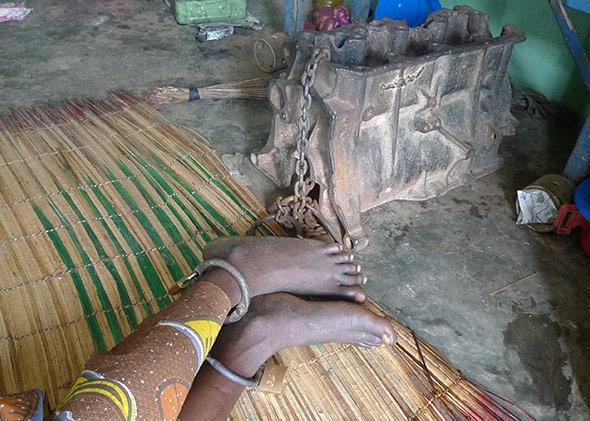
(568, 219)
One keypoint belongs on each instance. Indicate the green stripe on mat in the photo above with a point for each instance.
(210, 210)
(147, 268)
(120, 250)
(162, 217)
(89, 265)
(104, 257)
(166, 254)
(87, 308)
(225, 188)
(169, 191)
(166, 198)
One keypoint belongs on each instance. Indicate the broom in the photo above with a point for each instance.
(243, 89)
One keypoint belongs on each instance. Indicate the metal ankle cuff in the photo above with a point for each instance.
(252, 382)
(242, 308)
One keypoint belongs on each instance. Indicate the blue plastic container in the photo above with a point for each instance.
(582, 198)
(414, 12)
(582, 201)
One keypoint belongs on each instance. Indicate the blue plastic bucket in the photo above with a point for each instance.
(414, 12)
(582, 198)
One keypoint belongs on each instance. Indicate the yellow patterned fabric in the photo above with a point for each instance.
(149, 374)
(92, 383)
(201, 332)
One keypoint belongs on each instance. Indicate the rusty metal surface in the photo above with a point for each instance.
(397, 113)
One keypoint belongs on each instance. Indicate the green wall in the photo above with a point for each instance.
(542, 62)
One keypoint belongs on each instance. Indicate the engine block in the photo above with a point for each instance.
(398, 113)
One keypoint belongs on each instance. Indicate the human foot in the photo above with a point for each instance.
(304, 267)
(280, 320)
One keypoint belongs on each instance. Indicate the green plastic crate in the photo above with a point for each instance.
(202, 11)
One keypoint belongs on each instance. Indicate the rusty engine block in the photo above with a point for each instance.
(398, 113)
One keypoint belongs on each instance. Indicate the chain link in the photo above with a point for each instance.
(303, 186)
(299, 212)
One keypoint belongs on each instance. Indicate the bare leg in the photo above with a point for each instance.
(274, 322)
(212, 397)
(153, 369)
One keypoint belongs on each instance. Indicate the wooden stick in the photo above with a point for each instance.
(508, 285)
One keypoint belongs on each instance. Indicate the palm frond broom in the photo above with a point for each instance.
(243, 89)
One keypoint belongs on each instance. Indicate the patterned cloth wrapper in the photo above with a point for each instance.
(149, 374)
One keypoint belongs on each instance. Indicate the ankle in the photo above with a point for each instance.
(224, 281)
(245, 350)
(239, 256)
(225, 248)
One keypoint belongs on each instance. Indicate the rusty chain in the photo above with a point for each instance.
(301, 188)
(299, 212)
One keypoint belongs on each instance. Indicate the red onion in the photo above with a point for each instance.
(326, 18)
(328, 24)
(342, 15)
(322, 14)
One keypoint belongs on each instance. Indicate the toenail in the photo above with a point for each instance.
(352, 257)
(365, 280)
(358, 268)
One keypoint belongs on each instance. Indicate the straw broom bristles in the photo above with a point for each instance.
(246, 89)
(243, 89)
(167, 95)
(452, 389)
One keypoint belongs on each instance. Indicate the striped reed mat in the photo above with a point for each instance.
(103, 206)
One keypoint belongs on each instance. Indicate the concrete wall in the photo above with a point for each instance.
(543, 62)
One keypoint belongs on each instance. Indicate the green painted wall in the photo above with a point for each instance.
(542, 62)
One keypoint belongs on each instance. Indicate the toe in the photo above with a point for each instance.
(333, 248)
(349, 280)
(344, 257)
(353, 293)
(389, 336)
(381, 328)
(350, 268)
(370, 342)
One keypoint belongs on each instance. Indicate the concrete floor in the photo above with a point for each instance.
(433, 264)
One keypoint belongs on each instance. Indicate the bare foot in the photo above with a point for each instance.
(280, 320)
(304, 267)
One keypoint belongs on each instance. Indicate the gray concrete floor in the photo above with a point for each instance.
(433, 264)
